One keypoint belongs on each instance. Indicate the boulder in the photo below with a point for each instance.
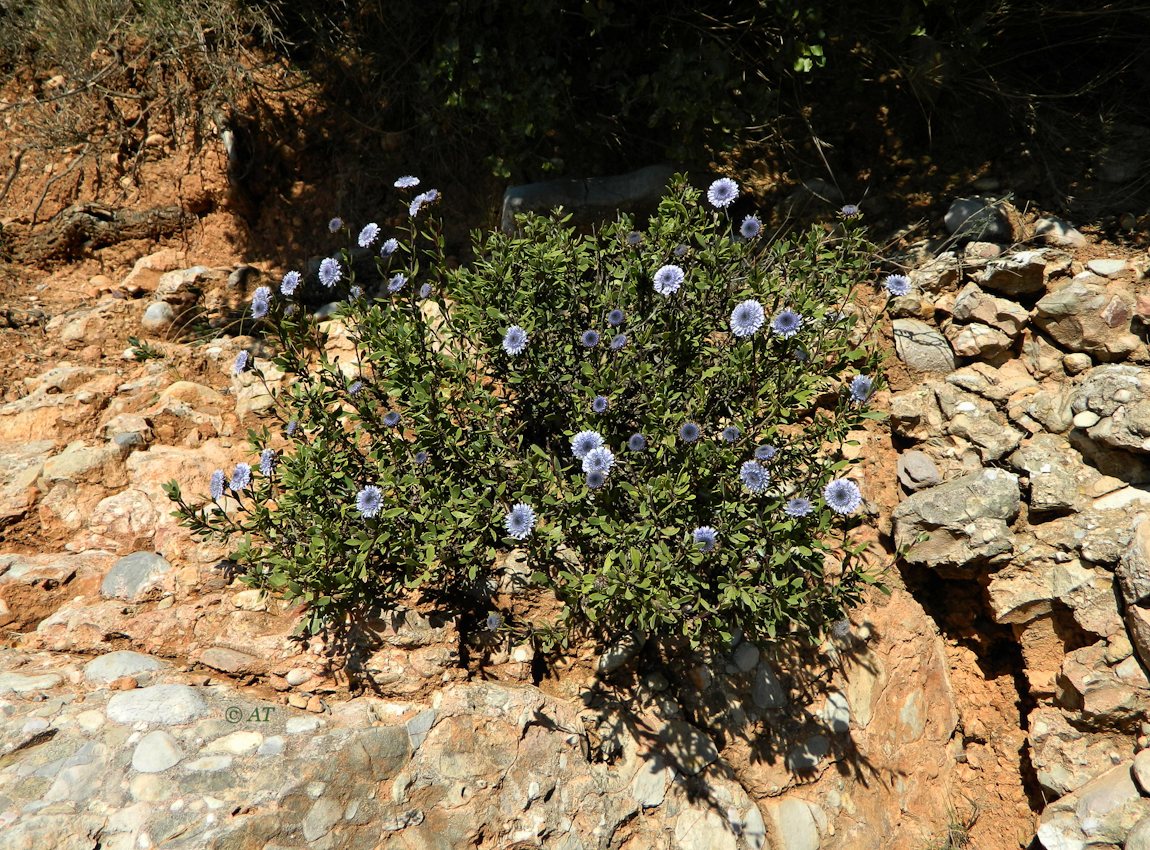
(921, 347)
(1020, 274)
(1089, 316)
(977, 219)
(1064, 757)
(1099, 814)
(967, 520)
(972, 304)
(978, 421)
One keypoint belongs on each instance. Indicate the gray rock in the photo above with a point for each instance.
(938, 275)
(158, 317)
(230, 661)
(796, 824)
(418, 727)
(181, 288)
(649, 787)
(297, 676)
(767, 692)
(745, 657)
(1133, 570)
(976, 219)
(114, 665)
(978, 421)
(1057, 474)
(967, 520)
(979, 341)
(156, 752)
(1102, 812)
(1059, 233)
(1139, 837)
(836, 713)
(974, 305)
(20, 468)
(807, 755)
(916, 470)
(993, 383)
(1105, 697)
(922, 347)
(22, 683)
(1120, 396)
(1141, 770)
(1064, 757)
(135, 577)
(1018, 274)
(1107, 268)
(687, 747)
(589, 199)
(1091, 318)
(914, 414)
(1076, 363)
(165, 704)
(619, 653)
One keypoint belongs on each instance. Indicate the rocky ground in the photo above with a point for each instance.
(147, 699)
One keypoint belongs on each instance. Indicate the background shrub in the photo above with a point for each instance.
(406, 475)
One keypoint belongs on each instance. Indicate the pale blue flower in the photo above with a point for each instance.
(260, 305)
(751, 227)
(243, 361)
(787, 323)
(615, 318)
(397, 282)
(850, 210)
(590, 339)
(766, 452)
(897, 284)
(430, 196)
(514, 340)
(356, 388)
(494, 621)
(216, 486)
(421, 457)
(747, 318)
(843, 496)
(636, 442)
(241, 477)
(520, 521)
(668, 279)
(391, 419)
(267, 461)
(705, 537)
(596, 479)
(425, 291)
(599, 459)
(335, 224)
(407, 182)
(634, 238)
(291, 428)
(861, 388)
(584, 442)
(368, 235)
(755, 476)
(618, 341)
(731, 434)
(330, 272)
(797, 507)
(389, 247)
(599, 404)
(289, 283)
(689, 432)
(354, 293)
(368, 501)
(722, 192)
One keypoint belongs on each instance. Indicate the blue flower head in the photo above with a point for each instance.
(599, 404)
(584, 442)
(421, 457)
(747, 318)
(731, 434)
(241, 477)
(354, 293)
(292, 427)
(897, 284)
(590, 339)
(705, 537)
(389, 247)
(681, 249)
(751, 227)
(368, 235)
(368, 501)
(407, 182)
(842, 496)
(787, 323)
(396, 283)
(289, 283)
(356, 388)
(755, 476)
(260, 303)
(596, 479)
(494, 621)
(634, 238)
(722, 192)
(430, 196)
(600, 459)
(850, 210)
(797, 507)
(391, 419)
(243, 361)
(618, 341)
(267, 461)
(425, 291)
(216, 485)
(330, 272)
(861, 388)
(766, 452)
(335, 224)
(615, 318)
(689, 432)
(668, 279)
(636, 442)
(514, 340)
(520, 521)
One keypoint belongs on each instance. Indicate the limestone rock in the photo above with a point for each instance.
(135, 577)
(20, 468)
(1102, 812)
(922, 347)
(1059, 479)
(937, 275)
(976, 219)
(995, 384)
(1016, 275)
(968, 520)
(972, 304)
(978, 421)
(1120, 396)
(914, 413)
(1088, 317)
(1106, 697)
(1061, 234)
(1065, 758)
(114, 665)
(977, 340)
(916, 470)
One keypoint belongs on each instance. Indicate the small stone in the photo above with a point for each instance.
(297, 677)
(169, 704)
(24, 684)
(298, 700)
(916, 470)
(315, 705)
(114, 665)
(158, 317)
(135, 577)
(156, 752)
(619, 653)
(1061, 234)
(975, 219)
(922, 347)
(123, 683)
(230, 661)
(1076, 363)
(1107, 267)
(746, 656)
(1086, 419)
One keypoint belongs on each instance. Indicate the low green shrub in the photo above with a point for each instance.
(653, 416)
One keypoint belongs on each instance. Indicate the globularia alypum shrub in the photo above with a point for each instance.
(653, 416)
